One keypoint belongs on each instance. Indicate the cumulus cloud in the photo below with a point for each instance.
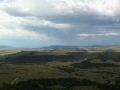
(61, 21)
(23, 34)
(45, 23)
(102, 7)
(10, 27)
(63, 7)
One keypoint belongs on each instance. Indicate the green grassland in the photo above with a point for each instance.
(83, 69)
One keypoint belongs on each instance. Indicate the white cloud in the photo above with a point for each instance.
(45, 23)
(99, 34)
(45, 7)
(10, 27)
(100, 7)
(23, 34)
(58, 26)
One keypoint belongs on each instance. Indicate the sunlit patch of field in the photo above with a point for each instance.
(9, 51)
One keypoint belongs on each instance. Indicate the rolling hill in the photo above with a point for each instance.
(108, 57)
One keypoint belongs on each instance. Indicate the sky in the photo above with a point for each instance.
(37, 23)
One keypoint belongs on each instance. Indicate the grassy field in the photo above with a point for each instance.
(91, 72)
(12, 74)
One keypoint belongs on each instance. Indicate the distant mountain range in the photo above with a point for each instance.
(92, 46)
(60, 47)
